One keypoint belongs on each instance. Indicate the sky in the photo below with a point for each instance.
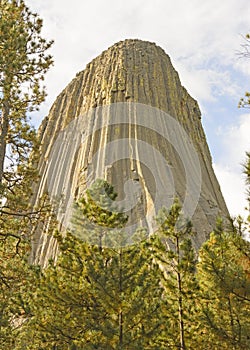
(202, 38)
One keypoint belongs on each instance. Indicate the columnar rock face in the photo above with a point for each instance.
(139, 75)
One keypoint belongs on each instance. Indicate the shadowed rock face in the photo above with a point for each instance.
(129, 97)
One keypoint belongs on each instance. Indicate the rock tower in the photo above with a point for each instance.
(135, 82)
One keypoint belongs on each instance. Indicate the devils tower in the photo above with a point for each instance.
(127, 118)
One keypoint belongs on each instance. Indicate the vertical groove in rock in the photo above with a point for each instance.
(129, 71)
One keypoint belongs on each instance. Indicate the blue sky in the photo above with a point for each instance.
(202, 39)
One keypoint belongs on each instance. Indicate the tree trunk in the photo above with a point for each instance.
(180, 306)
(181, 323)
(120, 312)
(4, 125)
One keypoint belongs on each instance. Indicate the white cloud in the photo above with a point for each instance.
(229, 167)
(236, 141)
(208, 85)
(192, 32)
(233, 189)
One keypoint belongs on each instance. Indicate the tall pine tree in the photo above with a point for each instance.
(224, 277)
(23, 63)
(175, 255)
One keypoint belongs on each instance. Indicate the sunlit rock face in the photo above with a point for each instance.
(127, 118)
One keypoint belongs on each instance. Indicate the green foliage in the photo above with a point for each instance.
(96, 297)
(22, 58)
(96, 218)
(247, 168)
(224, 277)
(92, 298)
(23, 63)
(150, 295)
(16, 283)
(174, 252)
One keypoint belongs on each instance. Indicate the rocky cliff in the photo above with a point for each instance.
(128, 119)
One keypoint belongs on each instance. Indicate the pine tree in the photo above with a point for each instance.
(23, 63)
(173, 251)
(224, 277)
